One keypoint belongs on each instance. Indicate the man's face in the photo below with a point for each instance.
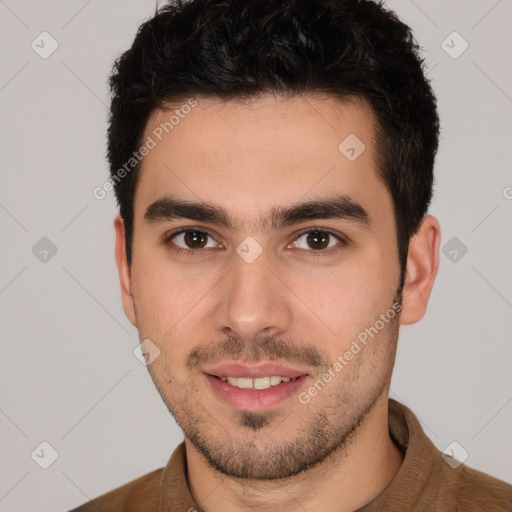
(254, 298)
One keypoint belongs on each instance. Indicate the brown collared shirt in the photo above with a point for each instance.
(425, 481)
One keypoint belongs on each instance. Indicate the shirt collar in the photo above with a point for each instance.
(420, 458)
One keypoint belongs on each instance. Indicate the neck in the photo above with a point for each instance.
(347, 480)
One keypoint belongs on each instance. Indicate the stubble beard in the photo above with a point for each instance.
(248, 450)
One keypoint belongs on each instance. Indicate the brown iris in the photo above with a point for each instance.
(318, 239)
(195, 239)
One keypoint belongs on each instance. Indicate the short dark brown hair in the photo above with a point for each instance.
(229, 49)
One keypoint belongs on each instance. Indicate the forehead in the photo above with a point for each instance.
(252, 155)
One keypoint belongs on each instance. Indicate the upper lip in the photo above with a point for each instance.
(253, 371)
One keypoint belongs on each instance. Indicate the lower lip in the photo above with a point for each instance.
(255, 400)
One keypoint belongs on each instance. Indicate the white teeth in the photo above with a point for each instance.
(257, 383)
(244, 383)
(261, 383)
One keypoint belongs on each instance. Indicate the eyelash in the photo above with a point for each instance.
(197, 252)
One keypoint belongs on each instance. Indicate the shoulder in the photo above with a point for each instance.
(477, 491)
(130, 497)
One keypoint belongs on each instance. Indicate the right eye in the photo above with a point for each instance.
(190, 241)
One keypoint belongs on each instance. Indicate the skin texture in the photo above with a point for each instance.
(333, 453)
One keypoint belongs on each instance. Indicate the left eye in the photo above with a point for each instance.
(317, 240)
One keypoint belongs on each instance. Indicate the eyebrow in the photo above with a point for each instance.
(338, 207)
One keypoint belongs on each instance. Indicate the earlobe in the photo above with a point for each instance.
(422, 265)
(124, 271)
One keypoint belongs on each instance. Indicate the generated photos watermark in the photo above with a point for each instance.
(342, 360)
(150, 143)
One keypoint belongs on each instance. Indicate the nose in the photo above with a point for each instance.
(253, 301)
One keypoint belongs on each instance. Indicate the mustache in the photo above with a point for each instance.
(269, 348)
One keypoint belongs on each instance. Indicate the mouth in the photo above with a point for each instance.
(254, 388)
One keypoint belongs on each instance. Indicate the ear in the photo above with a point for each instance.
(124, 270)
(421, 271)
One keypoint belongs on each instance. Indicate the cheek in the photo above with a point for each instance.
(157, 297)
(169, 300)
(349, 297)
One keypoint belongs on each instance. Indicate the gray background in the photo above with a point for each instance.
(68, 374)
